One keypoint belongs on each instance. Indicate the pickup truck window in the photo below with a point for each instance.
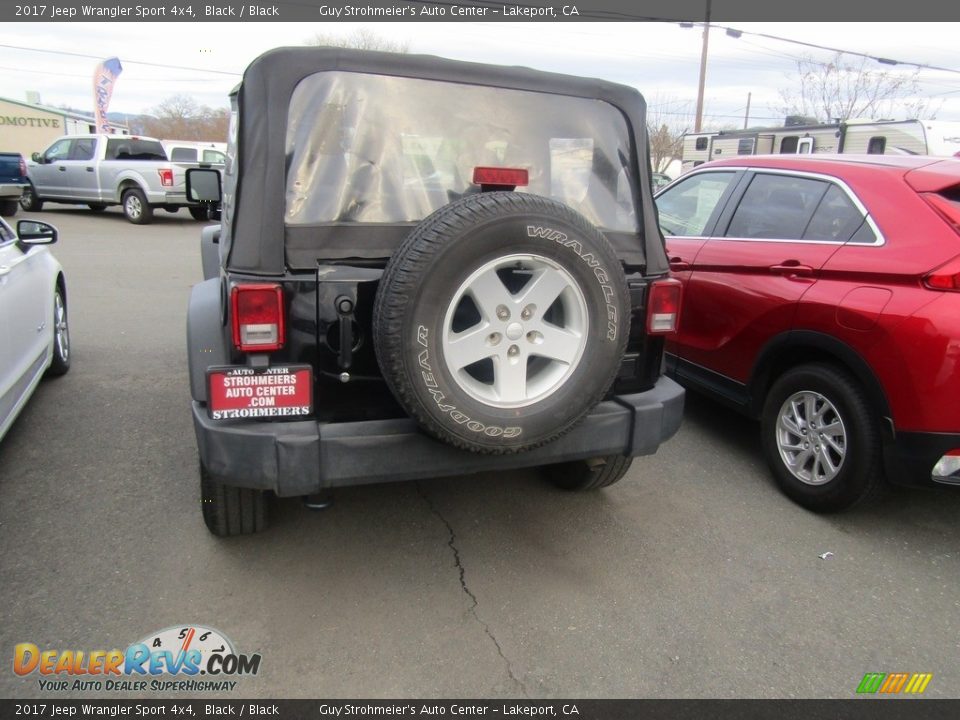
(183, 154)
(60, 150)
(83, 149)
(214, 156)
(131, 148)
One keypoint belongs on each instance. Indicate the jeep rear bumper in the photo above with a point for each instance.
(304, 457)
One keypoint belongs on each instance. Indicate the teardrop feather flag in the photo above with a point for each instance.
(104, 78)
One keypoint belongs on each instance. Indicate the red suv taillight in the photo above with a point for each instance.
(23, 167)
(663, 306)
(258, 324)
(166, 177)
(945, 277)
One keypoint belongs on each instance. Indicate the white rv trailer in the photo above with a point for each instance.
(905, 137)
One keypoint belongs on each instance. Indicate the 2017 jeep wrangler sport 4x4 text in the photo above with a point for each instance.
(425, 268)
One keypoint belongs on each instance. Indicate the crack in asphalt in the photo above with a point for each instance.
(474, 603)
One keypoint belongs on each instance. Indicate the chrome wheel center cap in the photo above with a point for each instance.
(514, 331)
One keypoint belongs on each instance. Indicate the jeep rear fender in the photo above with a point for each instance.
(206, 339)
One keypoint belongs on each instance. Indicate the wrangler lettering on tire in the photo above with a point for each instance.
(501, 321)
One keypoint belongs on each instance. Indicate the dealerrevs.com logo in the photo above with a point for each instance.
(188, 658)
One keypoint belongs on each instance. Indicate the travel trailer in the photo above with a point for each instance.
(875, 137)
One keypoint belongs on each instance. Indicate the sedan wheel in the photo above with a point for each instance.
(61, 336)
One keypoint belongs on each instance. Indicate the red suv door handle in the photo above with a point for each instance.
(678, 264)
(792, 267)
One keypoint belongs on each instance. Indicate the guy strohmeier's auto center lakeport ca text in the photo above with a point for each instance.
(180, 10)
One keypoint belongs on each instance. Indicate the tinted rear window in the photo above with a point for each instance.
(128, 148)
(837, 218)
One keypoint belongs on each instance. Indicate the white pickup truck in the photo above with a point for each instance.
(102, 170)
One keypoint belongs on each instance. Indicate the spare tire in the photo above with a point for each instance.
(501, 321)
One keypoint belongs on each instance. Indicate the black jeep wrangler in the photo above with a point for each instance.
(425, 268)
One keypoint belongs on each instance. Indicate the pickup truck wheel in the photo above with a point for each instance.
(501, 321)
(29, 200)
(228, 510)
(202, 214)
(8, 208)
(96, 207)
(591, 474)
(61, 336)
(821, 439)
(136, 208)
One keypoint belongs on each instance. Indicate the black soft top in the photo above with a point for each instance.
(254, 233)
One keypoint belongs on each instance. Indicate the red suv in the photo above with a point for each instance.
(822, 296)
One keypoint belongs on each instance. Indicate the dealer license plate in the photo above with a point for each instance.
(242, 392)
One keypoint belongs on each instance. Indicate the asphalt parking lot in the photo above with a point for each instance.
(693, 577)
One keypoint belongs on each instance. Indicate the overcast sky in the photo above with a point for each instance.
(660, 59)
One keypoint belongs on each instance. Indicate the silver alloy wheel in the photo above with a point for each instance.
(61, 333)
(811, 437)
(26, 198)
(519, 345)
(133, 206)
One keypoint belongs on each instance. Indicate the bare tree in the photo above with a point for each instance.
(843, 89)
(668, 119)
(180, 117)
(362, 39)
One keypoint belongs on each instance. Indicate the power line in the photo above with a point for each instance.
(734, 32)
(89, 76)
(131, 62)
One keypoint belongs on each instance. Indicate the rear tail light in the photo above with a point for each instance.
(258, 323)
(498, 178)
(663, 306)
(166, 177)
(945, 277)
(23, 167)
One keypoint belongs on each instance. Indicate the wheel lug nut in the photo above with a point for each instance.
(502, 312)
(527, 312)
(494, 339)
(513, 351)
(534, 337)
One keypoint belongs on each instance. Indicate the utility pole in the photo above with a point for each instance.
(703, 71)
(746, 117)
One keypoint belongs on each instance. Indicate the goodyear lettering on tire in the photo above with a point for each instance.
(458, 416)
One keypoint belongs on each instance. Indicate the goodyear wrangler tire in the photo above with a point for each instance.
(501, 321)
